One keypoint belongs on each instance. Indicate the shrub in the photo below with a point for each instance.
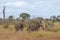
(56, 30)
(40, 34)
(6, 26)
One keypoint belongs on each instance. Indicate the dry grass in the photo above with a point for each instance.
(10, 34)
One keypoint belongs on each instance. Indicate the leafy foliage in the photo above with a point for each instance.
(10, 17)
(24, 15)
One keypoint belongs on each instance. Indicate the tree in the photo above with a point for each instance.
(58, 17)
(53, 18)
(24, 16)
(10, 19)
(4, 12)
(40, 18)
(0, 18)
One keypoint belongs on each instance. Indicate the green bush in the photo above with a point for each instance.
(58, 20)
